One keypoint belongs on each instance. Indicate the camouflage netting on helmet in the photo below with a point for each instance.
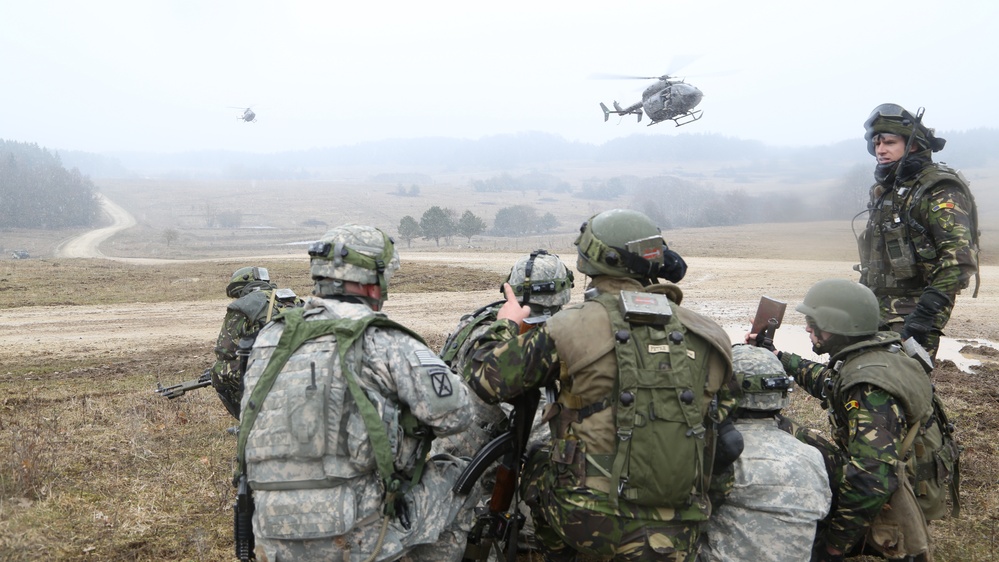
(761, 378)
(549, 282)
(358, 253)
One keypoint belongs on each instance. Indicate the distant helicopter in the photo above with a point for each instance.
(248, 115)
(668, 98)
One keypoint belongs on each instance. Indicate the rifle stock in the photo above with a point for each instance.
(497, 523)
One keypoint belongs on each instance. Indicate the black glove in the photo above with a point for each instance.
(920, 321)
(674, 268)
(729, 447)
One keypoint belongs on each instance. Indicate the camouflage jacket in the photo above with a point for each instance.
(934, 217)
(244, 317)
(869, 423)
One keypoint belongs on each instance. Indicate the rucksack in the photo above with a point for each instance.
(664, 450)
(455, 345)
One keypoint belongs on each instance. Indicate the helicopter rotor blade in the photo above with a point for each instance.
(606, 76)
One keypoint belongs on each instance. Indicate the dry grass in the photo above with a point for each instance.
(48, 282)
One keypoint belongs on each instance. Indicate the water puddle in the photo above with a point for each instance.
(795, 339)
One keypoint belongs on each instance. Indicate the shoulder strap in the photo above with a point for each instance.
(296, 332)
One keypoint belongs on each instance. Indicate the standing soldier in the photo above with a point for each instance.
(626, 473)
(780, 490)
(881, 407)
(257, 300)
(920, 247)
(340, 409)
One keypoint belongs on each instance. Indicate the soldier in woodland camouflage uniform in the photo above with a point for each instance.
(875, 395)
(781, 490)
(920, 247)
(542, 282)
(572, 504)
(257, 300)
(337, 431)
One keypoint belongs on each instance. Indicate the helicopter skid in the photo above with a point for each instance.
(689, 117)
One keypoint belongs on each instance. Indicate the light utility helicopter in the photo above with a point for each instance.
(668, 98)
(248, 115)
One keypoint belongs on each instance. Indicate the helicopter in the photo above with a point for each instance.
(668, 98)
(248, 115)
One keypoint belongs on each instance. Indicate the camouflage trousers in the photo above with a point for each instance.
(563, 529)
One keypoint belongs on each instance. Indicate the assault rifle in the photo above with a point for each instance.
(179, 390)
(497, 522)
(769, 315)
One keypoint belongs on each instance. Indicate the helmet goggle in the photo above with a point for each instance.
(340, 254)
(647, 262)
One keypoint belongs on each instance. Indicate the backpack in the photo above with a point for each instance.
(665, 387)
(456, 345)
(290, 438)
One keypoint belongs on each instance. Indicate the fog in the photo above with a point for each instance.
(168, 77)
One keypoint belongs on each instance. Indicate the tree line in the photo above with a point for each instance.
(443, 223)
(37, 191)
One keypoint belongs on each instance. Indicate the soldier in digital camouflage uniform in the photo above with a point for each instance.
(542, 282)
(780, 490)
(257, 300)
(336, 450)
(574, 513)
(874, 393)
(920, 247)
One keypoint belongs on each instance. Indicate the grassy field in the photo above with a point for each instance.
(95, 466)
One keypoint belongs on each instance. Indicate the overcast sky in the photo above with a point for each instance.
(167, 76)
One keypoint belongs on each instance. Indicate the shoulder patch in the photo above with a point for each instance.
(942, 206)
(851, 405)
(441, 382)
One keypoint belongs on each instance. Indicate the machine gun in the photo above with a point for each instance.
(179, 390)
(769, 315)
(497, 523)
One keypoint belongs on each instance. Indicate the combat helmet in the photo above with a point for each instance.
(541, 279)
(840, 306)
(620, 243)
(761, 377)
(353, 252)
(893, 118)
(247, 279)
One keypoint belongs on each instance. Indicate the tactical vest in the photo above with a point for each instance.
(895, 245)
(634, 402)
(455, 348)
(933, 465)
(307, 423)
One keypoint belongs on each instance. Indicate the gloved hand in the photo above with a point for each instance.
(674, 268)
(919, 323)
(729, 447)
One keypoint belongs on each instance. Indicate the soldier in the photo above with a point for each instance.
(257, 300)
(920, 247)
(780, 490)
(623, 475)
(340, 408)
(879, 404)
(541, 281)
